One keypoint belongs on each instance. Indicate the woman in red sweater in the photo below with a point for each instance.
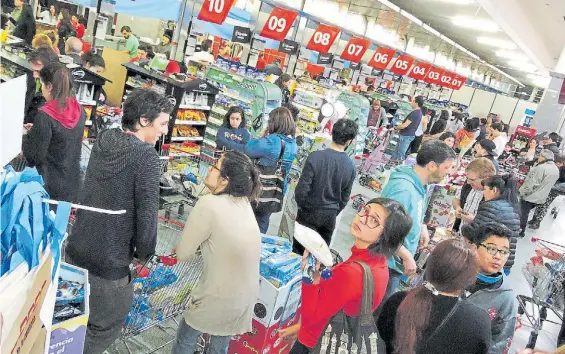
(379, 229)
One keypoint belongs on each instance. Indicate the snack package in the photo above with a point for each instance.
(276, 240)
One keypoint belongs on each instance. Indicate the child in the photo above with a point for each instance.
(233, 135)
(491, 292)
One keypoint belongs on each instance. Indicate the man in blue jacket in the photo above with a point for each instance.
(408, 186)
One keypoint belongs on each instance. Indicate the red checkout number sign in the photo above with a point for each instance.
(323, 38)
(433, 76)
(382, 58)
(402, 64)
(419, 70)
(355, 49)
(278, 24)
(215, 11)
(457, 82)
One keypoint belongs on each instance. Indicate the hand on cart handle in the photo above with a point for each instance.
(290, 333)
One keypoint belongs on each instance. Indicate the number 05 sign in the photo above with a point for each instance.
(355, 49)
(278, 24)
(323, 38)
(215, 11)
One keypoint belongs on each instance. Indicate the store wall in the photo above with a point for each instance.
(481, 103)
(463, 95)
(504, 107)
(519, 112)
(141, 26)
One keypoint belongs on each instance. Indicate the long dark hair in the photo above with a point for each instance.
(232, 110)
(508, 187)
(282, 79)
(281, 122)
(451, 267)
(444, 114)
(58, 76)
(396, 227)
(66, 18)
(242, 176)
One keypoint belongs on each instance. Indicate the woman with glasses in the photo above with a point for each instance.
(433, 318)
(500, 206)
(490, 291)
(223, 226)
(379, 229)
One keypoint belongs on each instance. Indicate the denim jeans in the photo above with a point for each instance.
(263, 221)
(185, 343)
(402, 147)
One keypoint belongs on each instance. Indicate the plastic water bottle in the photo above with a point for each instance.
(310, 270)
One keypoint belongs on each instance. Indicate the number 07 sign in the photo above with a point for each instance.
(215, 11)
(278, 24)
(355, 49)
(323, 38)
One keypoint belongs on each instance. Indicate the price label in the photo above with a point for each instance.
(278, 24)
(419, 70)
(433, 76)
(323, 38)
(382, 58)
(215, 11)
(457, 82)
(355, 49)
(402, 64)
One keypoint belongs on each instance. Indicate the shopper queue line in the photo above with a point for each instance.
(388, 231)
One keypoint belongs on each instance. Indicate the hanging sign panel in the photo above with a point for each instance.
(458, 81)
(278, 24)
(433, 76)
(445, 79)
(382, 58)
(289, 47)
(241, 34)
(325, 58)
(215, 11)
(355, 49)
(402, 64)
(419, 70)
(323, 38)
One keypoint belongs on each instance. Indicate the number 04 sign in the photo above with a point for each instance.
(323, 38)
(355, 49)
(215, 11)
(278, 24)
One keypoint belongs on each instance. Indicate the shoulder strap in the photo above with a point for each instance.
(368, 294)
(282, 150)
(449, 315)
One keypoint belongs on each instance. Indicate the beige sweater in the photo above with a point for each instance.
(222, 303)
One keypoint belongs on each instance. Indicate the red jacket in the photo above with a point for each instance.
(342, 291)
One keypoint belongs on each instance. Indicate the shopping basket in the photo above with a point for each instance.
(164, 285)
(545, 274)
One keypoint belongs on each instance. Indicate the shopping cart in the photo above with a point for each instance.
(545, 273)
(164, 285)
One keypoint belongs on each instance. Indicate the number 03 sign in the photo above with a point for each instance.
(278, 24)
(215, 11)
(323, 38)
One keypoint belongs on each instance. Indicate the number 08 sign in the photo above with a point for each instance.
(215, 11)
(323, 38)
(278, 24)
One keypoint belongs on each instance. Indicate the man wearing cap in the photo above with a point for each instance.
(487, 149)
(537, 185)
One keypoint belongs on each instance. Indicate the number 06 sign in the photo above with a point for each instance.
(323, 38)
(215, 11)
(382, 58)
(278, 24)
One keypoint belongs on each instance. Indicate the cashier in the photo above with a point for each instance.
(50, 16)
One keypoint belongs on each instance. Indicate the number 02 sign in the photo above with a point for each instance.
(323, 38)
(215, 11)
(355, 49)
(278, 24)
(382, 58)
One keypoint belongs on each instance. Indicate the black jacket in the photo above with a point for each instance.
(65, 31)
(553, 147)
(438, 127)
(25, 26)
(123, 174)
(498, 211)
(55, 151)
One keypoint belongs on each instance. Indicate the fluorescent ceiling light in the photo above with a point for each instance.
(447, 39)
(390, 5)
(411, 17)
(475, 23)
(431, 30)
(472, 55)
(458, 2)
(511, 55)
(526, 67)
(495, 42)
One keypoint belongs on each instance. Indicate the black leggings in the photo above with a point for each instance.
(299, 348)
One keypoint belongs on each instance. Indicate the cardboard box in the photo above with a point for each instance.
(440, 212)
(276, 308)
(68, 336)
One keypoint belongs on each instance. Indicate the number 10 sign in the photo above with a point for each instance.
(323, 38)
(215, 11)
(278, 24)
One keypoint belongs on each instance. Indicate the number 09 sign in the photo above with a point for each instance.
(215, 11)
(323, 38)
(278, 24)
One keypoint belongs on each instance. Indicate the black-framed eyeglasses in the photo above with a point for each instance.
(369, 220)
(493, 251)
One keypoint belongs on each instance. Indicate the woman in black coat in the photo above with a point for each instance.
(66, 30)
(499, 206)
(25, 26)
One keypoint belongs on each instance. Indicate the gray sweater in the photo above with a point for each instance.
(539, 182)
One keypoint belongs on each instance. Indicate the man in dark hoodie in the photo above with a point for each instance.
(123, 174)
(491, 292)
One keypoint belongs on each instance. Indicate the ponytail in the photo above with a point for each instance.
(412, 319)
(57, 75)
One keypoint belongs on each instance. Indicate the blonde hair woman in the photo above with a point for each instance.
(41, 39)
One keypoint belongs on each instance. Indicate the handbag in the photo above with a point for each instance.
(347, 334)
(272, 186)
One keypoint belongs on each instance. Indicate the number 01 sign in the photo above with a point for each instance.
(323, 38)
(215, 11)
(278, 24)
(355, 49)
(382, 58)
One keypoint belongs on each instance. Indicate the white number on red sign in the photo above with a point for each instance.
(216, 6)
(434, 75)
(418, 70)
(381, 58)
(446, 79)
(354, 49)
(277, 24)
(456, 82)
(322, 38)
(401, 64)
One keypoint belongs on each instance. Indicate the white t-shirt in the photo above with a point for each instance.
(202, 57)
(500, 142)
